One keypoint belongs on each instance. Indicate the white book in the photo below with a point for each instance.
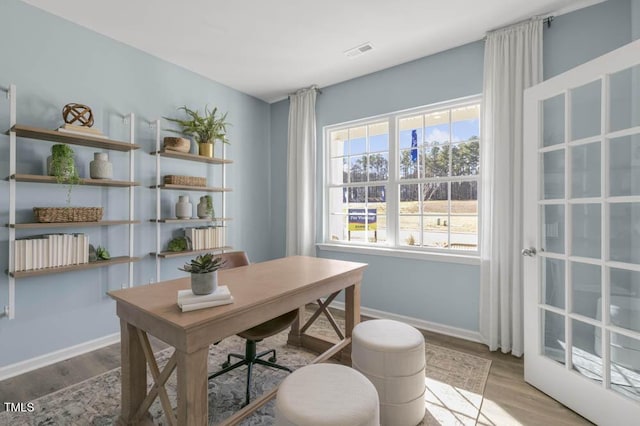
(17, 255)
(74, 249)
(23, 255)
(43, 255)
(79, 248)
(54, 248)
(91, 135)
(195, 306)
(65, 250)
(186, 297)
(60, 249)
(28, 255)
(47, 253)
(70, 249)
(39, 252)
(86, 249)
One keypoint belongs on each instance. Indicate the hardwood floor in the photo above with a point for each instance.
(508, 400)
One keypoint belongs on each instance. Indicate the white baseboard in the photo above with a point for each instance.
(473, 336)
(22, 367)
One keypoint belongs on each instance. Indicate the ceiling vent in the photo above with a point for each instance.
(359, 50)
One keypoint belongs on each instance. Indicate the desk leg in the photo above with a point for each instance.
(352, 317)
(295, 338)
(134, 375)
(192, 387)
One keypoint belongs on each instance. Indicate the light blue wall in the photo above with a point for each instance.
(580, 36)
(53, 62)
(444, 293)
(67, 309)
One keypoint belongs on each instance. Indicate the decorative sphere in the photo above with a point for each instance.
(77, 114)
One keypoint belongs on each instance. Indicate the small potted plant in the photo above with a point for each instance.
(204, 273)
(61, 164)
(205, 207)
(205, 129)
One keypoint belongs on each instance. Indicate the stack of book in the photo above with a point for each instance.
(50, 251)
(207, 237)
(187, 301)
(81, 130)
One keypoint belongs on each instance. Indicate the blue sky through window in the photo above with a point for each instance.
(462, 130)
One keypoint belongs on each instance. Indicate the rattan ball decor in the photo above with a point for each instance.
(77, 114)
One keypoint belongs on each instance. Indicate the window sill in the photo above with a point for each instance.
(405, 254)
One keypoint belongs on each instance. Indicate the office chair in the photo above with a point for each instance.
(254, 334)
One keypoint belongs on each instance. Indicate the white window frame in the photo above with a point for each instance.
(392, 246)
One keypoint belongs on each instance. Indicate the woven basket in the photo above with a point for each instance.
(67, 214)
(185, 180)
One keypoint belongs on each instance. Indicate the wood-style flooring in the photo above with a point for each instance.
(508, 400)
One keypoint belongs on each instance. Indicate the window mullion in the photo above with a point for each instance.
(392, 193)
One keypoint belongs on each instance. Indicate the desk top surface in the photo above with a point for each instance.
(250, 286)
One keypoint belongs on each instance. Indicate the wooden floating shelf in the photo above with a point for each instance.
(191, 157)
(59, 269)
(192, 220)
(71, 138)
(36, 225)
(88, 182)
(170, 254)
(191, 188)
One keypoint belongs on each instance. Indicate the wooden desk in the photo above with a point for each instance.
(261, 291)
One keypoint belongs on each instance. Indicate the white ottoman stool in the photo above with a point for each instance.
(391, 355)
(327, 395)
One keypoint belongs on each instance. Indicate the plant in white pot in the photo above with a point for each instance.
(204, 273)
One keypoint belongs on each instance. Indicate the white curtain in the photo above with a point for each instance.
(512, 62)
(301, 173)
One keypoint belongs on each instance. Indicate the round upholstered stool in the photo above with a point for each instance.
(327, 395)
(391, 355)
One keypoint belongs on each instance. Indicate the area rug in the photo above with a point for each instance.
(455, 383)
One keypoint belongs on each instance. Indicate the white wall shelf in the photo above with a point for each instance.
(80, 267)
(159, 186)
(30, 133)
(83, 181)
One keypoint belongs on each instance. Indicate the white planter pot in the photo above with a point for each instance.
(202, 284)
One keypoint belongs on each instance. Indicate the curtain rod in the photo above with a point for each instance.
(317, 89)
(548, 20)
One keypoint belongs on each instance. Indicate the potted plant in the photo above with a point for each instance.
(205, 207)
(61, 164)
(204, 273)
(205, 129)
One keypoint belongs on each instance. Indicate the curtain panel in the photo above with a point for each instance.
(301, 174)
(512, 63)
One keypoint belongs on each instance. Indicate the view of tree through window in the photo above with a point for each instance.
(434, 185)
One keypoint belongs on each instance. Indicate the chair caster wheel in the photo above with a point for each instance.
(225, 364)
(272, 359)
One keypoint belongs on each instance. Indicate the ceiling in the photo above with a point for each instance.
(268, 49)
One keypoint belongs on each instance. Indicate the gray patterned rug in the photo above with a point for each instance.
(455, 384)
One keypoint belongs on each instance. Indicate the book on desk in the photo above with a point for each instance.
(187, 301)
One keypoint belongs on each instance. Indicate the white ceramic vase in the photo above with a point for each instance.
(100, 167)
(204, 283)
(183, 207)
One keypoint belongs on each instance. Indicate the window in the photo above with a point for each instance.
(406, 180)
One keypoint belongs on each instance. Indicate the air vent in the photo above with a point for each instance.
(359, 50)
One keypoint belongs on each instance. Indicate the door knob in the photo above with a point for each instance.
(530, 252)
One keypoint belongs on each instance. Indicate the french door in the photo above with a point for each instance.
(582, 236)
